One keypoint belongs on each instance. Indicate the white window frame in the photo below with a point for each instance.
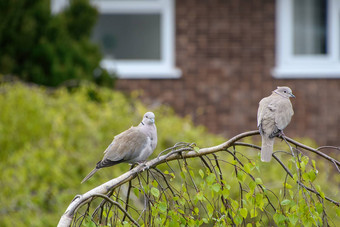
(141, 69)
(289, 65)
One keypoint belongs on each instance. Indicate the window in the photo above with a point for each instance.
(136, 37)
(307, 39)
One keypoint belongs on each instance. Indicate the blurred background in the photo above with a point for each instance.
(90, 69)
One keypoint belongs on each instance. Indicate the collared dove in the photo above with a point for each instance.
(134, 145)
(273, 115)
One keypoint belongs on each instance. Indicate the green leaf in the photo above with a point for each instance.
(312, 175)
(253, 213)
(155, 184)
(244, 212)
(337, 211)
(211, 178)
(285, 202)
(216, 187)
(302, 166)
(200, 196)
(305, 160)
(155, 192)
(162, 207)
(211, 210)
(314, 166)
(305, 176)
(278, 218)
(238, 219)
(205, 220)
(249, 195)
(252, 185)
(291, 193)
(196, 210)
(126, 224)
(197, 149)
(180, 211)
(295, 177)
(293, 218)
(318, 189)
(136, 192)
(172, 176)
(241, 176)
(191, 173)
(90, 223)
(201, 173)
(258, 197)
(258, 181)
(286, 185)
(247, 167)
(234, 204)
(319, 208)
(182, 175)
(225, 193)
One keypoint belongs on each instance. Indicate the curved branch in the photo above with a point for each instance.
(334, 161)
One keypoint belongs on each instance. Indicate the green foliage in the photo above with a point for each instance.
(232, 187)
(216, 193)
(50, 140)
(49, 49)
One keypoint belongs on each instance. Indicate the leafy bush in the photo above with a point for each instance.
(50, 140)
(49, 49)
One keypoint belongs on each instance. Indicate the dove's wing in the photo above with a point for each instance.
(127, 145)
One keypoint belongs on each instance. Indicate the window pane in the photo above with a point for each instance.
(129, 36)
(310, 27)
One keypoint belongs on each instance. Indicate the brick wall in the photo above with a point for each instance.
(225, 49)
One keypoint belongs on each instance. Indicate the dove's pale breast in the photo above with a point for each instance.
(284, 113)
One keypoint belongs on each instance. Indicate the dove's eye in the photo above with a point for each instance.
(285, 91)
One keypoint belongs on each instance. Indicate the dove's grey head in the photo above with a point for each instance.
(284, 92)
(149, 118)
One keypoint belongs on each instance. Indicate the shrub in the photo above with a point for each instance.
(49, 49)
(50, 140)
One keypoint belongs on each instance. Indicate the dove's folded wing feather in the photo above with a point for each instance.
(127, 145)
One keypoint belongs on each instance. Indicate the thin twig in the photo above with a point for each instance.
(119, 206)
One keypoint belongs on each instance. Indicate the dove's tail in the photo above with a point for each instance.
(267, 149)
(90, 175)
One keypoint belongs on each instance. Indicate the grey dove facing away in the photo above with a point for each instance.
(134, 145)
(273, 115)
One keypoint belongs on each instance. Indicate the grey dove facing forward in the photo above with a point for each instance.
(134, 145)
(273, 115)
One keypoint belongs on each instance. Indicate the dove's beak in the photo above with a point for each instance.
(291, 95)
(152, 120)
